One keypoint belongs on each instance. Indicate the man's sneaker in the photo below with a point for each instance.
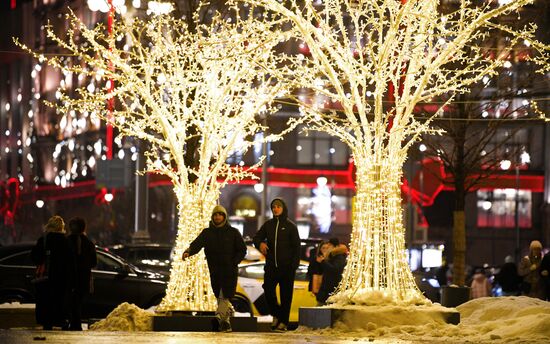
(225, 326)
(281, 328)
(274, 323)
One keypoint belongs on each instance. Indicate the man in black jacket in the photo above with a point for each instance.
(224, 248)
(279, 242)
(84, 255)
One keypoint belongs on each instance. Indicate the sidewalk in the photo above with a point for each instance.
(93, 337)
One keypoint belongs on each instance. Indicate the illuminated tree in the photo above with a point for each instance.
(372, 62)
(172, 86)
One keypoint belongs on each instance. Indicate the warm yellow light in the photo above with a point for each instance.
(172, 88)
(358, 49)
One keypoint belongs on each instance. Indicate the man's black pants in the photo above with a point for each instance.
(284, 277)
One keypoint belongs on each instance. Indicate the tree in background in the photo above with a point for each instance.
(478, 141)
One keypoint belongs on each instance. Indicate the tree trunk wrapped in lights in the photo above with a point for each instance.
(188, 288)
(173, 87)
(371, 63)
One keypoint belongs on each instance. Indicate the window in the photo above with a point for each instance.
(246, 206)
(321, 149)
(106, 263)
(323, 208)
(18, 259)
(497, 208)
(255, 271)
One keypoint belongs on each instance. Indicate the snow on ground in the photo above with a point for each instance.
(498, 319)
(17, 305)
(126, 317)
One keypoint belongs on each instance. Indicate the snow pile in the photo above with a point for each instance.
(371, 317)
(508, 317)
(379, 298)
(126, 317)
(17, 305)
(499, 319)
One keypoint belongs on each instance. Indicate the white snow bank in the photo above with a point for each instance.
(508, 317)
(17, 305)
(126, 317)
(379, 298)
(361, 317)
(499, 319)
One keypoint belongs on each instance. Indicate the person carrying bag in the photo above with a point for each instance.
(54, 262)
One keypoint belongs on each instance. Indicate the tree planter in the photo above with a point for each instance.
(454, 296)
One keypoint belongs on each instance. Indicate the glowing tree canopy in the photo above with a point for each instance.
(374, 61)
(172, 86)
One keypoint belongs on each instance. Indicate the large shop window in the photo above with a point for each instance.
(497, 208)
(323, 207)
(321, 149)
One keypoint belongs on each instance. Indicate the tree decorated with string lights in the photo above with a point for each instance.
(172, 86)
(371, 63)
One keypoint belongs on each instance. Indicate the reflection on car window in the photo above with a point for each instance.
(256, 271)
(252, 271)
(19, 259)
(106, 263)
(151, 254)
(301, 273)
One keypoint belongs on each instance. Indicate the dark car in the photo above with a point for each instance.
(151, 257)
(114, 281)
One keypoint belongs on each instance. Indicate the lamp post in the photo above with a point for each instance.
(516, 215)
(524, 158)
(265, 164)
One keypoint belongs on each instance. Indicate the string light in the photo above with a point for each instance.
(175, 87)
(409, 46)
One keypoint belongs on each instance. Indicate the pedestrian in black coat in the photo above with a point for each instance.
(84, 255)
(508, 278)
(279, 242)
(52, 294)
(224, 248)
(333, 265)
(545, 275)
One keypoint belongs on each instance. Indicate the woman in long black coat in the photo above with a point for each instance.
(52, 293)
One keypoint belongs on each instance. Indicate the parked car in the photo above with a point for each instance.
(114, 280)
(306, 246)
(250, 296)
(152, 257)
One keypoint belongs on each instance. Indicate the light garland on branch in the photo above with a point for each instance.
(172, 86)
(357, 49)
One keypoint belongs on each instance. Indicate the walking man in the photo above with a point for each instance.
(279, 242)
(84, 255)
(224, 248)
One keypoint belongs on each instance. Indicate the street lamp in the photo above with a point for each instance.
(524, 158)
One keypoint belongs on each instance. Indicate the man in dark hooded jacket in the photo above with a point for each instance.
(279, 242)
(84, 255)
(224, 248)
